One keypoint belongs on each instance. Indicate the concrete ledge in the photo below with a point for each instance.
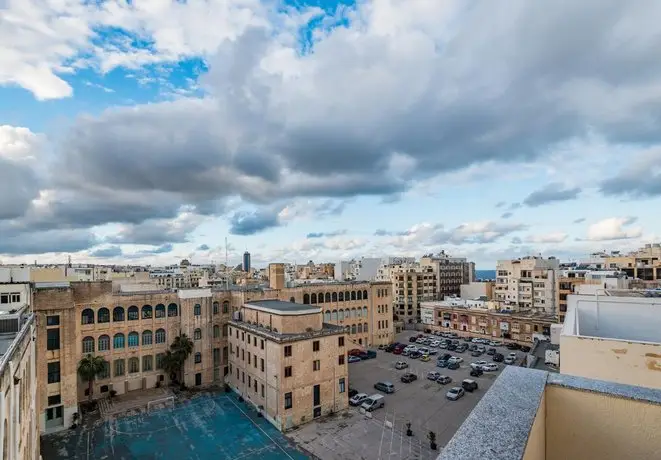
(649, 395)
(499, 426)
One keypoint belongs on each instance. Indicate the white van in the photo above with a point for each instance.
(373, 402)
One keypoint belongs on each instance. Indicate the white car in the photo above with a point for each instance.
(358, 399)
(401, 365)
(495, 343)
(512, 355)
(476, 340)
(490, 367)
(510, 360)
(423, 350)
(410, 348)
(456, 359)
(478, 364)
(435, 343)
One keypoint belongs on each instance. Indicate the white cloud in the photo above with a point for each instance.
(555, 237)
(613, 228)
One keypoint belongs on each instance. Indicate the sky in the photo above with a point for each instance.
(147, 131)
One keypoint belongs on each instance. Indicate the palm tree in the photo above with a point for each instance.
(181, 349)
(89, 368)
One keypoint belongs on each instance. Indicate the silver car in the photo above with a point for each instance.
(455, 393)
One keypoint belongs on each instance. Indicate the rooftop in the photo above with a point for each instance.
(274, 335)
(283, 307)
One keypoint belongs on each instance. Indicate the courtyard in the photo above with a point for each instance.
(382, 434)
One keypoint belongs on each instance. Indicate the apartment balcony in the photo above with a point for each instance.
(557, 417)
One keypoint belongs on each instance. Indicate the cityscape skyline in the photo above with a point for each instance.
(326, 130)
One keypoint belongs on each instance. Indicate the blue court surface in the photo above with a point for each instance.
(208, 426)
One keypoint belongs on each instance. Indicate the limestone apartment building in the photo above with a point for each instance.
(528, 283)
(133, 330)
(287, 362)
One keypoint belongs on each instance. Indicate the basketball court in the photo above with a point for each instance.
(209, 425)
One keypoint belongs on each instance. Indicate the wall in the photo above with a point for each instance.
(620, 361)
(586, 425)
(536, 446)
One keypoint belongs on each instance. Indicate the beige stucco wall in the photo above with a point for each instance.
(536, 447)
(633, 363)
(585, 425)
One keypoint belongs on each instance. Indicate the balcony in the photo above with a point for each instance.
(556, 417)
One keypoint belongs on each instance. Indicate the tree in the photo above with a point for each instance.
(180, 350)
(89, 368)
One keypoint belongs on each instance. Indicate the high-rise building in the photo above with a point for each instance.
(246, 261)
(528, 283)
(451, 272)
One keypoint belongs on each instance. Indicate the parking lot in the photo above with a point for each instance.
(422, 403)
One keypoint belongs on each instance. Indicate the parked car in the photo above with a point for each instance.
(398, 350)
(452, 346)
(413, 339)
(498, 357)
(469, 385)
(455, 393)
(513, 346)
(425, 358)
(354, 359)
(443, 379)
(442, 363)
(495, 343)
(401, 365)
(415, 354)
(357, 400)
(382, 347)
(456, 359)
(478, 364)
(435, 343)
(408, 378)
(370, 354)
(423, 350)
(472, 347)
(444, 357)
(453, 365)
(510, 360)
(491, 351)
(352, 392)
(525, 349)
(354, 352)
(491, 367)
(443, 345)
(386, 387)
(373, 402)
(476, 353)
(482, 349)
(512, 355)
(433, 375)
(477, 372)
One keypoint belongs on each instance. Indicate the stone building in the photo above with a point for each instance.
(288, 362)
(528, 283)
(133, 330)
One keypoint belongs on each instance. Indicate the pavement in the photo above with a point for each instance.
(422, 403)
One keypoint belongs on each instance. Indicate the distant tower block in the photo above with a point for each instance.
(277, 276)
(246, 261)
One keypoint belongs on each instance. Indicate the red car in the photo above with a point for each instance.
(398, 350)
(354, 352)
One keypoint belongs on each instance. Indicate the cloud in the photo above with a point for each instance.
(580, 220)
(506, 215)
(551, 193)
(516, 240)
(613, 228)
(107, 253)
(162, 249)
(326, 234)
(555, 237)
(155, 232)
(203, 247)
(500, 204)
(641, 178)
(42, 242)
(250, 223)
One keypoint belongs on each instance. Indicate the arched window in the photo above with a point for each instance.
(347, 296)
(160, 336)
(216, 308)
(147, 363)
(226, 307)
(364, 295)
(364, 312)
(118, 341)
(198, 357)
(172, 310)
(292, 300)
(341, 314)
(197, 334)
(134, 365)
(327, 316)
(353, 328)
(359, 295)
(118, 314)
(133, 313)
(347, 329)
(88, 345)
(327, 297)
(353, 312)
(334, 315)
(334, 297)
(313, 298)
(104, 343)
(353, 295)
(216, 331)
(225, 330)
(359, 312)
(87, 316)
(197, 310)
(103, 315)
(340, 297)
(160, 311)
(320, 297)
(146, 312)
(147, 337)
(306, 299)
(360, 328)
(365, 327)
(134, 339)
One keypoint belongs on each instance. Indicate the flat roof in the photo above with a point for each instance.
(283, 307)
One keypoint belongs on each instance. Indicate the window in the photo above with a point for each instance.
(342, 385)
(88, 345)
(254, 341)
(147, 363)
(104, 343)
(53, 339)
(216, 331)
(54, 400)
(118, 341)
(262, 390)
(134, 365)
(197, 334)
(248, 358)
(226, 330)
(172, 310)
(54, 413)
(226, 307)
(54, 372)
(105, 372)
(288, 371)
(160, 311)
(160, 336)
(249, 381)
(118, 314)
(315, 345)
(340, 360)
(103, 316)
(146, 312)
(133, 313)
(255, 382)
(216, 308)
(288, 401)
(287, 351)
(261, 363)
(159, 360)
(134, 339)
(197, 310)
(87, 316)
(147, 337)
(53, 320)
(262, 344)
(316, 365)
(198, 357)
(119, 367)
(340, 341)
